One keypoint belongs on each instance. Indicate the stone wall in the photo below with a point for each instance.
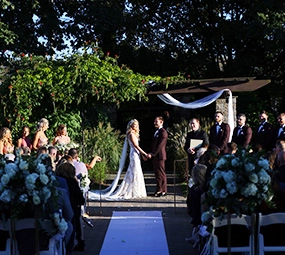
(222, 105)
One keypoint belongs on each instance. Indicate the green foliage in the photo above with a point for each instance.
(99, 172)
(175, 151)
(37, 87)
(105, 142)
(71, 120)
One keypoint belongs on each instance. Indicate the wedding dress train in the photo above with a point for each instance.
(133, 184)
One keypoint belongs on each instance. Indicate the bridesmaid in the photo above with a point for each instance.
(61, 136)
(40, 136)
(6, 144)
(24, 142)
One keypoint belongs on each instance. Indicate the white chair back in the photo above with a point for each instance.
(236, 224)
(55, 246)
(4, 226)
(271, 236)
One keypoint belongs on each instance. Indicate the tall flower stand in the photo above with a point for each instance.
(229, 240)
(13, 243)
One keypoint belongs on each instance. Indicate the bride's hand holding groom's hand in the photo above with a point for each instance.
(144, 157)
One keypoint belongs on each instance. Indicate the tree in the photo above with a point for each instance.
(37, 86)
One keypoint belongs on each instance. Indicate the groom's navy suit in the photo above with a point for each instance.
(158, 155)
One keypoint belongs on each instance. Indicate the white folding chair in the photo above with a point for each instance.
(241, 236)
(271, 236)
(56, 244)
(4, 226)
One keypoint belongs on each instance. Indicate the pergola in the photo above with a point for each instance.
(239, 84)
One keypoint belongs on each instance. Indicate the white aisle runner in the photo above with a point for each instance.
(135, 233)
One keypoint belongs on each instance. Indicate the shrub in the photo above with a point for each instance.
(106, 142)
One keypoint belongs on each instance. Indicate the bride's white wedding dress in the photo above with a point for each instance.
(133, 184)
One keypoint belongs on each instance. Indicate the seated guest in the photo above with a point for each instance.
(52, 152)
(67, 171)
(278, 183)
(194, 205)
(41, 150)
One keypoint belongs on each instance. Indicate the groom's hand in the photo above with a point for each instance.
(144, 157)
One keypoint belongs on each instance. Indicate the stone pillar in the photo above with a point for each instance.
(222, 105)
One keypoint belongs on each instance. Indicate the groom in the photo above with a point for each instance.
(158, 156)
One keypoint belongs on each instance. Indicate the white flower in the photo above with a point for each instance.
(5, 196)
(249, 189)
(229, 176)
(217, 174)
(30, 181)
(249, 167)
(214, 183)
(264, 177)
(191, 183)
(236, 162)
(11, 169)
(253, 178)
(5, 179)
(216, 193)
(232, 187)
(206, 217)
(44, 179)
(46, 193)
(221, 162)
(36, 199)
(263, 163)
(223, 193)
(24, 165)
(23, 198)
(62, 226)
(41, 168)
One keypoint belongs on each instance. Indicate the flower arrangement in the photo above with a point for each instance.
(28, 182)
(64, 148)
(57, 224)
(239, 183)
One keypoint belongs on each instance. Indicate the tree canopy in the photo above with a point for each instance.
(194, 38)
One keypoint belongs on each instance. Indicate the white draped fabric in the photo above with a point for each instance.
(166, 98)
(133, 184)
(106, 193)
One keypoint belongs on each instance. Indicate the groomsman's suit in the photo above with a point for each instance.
(220, 135)
(279, 131)
(158, 156)
(242, 134)
(264, 135)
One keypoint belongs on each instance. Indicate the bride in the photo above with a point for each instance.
(133, 185)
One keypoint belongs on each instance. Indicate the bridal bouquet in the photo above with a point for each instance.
(64, 148)
(28, 182)
(239, 183)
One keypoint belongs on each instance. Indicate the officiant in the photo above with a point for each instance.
(195, 139)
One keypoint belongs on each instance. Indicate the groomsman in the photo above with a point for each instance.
(279, 133)
(264, 133)
(242, 133)
(220, 132)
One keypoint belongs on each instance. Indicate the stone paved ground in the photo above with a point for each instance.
(176, 220)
